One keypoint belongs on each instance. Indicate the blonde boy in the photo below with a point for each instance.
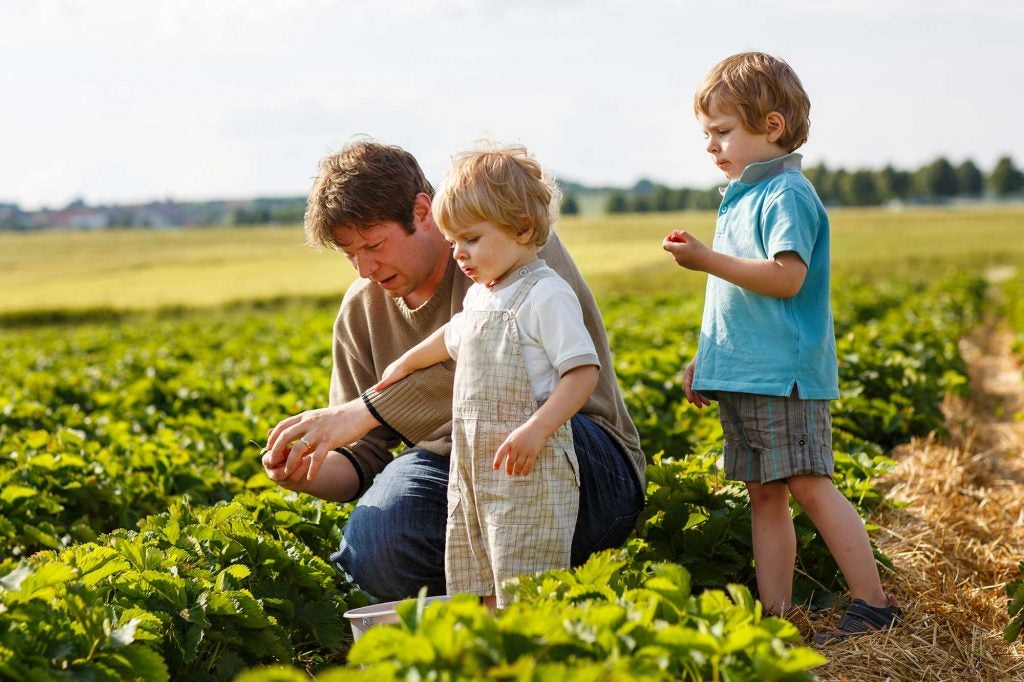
(767, 346)
(525, 364)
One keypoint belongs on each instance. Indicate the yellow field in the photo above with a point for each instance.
(140, 269)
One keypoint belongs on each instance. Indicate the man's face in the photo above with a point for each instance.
(401, 264)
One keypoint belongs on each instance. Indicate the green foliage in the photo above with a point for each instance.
(896, 369)
(1006, 179)
(1015, 591)
(101, 426)
(601, 621)
(142, 540)
(1013, 309)
(216, 589)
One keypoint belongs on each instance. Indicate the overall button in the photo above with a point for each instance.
(505, 316)
(523, 272)
(526, 412)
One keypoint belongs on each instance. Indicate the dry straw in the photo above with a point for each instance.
(955, 542)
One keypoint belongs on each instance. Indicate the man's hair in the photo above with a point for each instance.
(751, 85)
(365, 184)
(503, 186)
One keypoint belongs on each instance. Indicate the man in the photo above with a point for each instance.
(372, 202)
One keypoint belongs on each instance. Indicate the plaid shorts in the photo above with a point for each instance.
(770, 438)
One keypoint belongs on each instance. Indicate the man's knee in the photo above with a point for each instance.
(394, 540)
(610, 497)
(389, 559)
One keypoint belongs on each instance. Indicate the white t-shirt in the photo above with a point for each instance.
(552, 336)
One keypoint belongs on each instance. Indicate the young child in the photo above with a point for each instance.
(525, 364)
(767, 349)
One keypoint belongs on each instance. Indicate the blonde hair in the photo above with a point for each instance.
(751, 85)
(503, 186)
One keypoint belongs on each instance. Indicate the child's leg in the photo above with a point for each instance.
(844, 533)
(774, 544)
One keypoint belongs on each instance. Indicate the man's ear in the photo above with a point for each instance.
(421, 214)
(776, 125)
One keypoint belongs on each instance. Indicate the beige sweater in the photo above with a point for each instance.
(372, 329)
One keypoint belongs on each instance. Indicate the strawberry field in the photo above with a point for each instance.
(141, 540)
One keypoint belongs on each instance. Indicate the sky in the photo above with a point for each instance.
(121, 101)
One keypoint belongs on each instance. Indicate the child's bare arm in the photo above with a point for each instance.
(521, 448)
(427, 352)
(780, 277)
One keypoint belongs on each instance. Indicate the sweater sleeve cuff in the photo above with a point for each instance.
(413, 408)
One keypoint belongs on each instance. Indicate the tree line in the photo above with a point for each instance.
(936, 182)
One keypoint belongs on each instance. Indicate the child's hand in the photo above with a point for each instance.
(688, 251)
(393, 373)
(692, 396)
(520, 451)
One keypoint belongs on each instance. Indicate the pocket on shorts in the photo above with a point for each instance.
(574, 464)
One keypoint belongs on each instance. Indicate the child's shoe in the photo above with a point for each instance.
(861, 618)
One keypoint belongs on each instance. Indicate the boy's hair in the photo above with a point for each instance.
(503, 186)
(365, 184)
(753, 84)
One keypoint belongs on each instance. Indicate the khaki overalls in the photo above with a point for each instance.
(502, 526)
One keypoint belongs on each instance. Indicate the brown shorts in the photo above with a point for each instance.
(770, 438)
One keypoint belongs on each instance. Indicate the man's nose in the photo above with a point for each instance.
(365, 266)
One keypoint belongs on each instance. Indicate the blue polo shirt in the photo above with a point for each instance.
(750, 343)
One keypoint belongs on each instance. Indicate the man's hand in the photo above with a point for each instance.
(520, 450)
(312, 434)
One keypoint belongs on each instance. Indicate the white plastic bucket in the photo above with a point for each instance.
(364, 618)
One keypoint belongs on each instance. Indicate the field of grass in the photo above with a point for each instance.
(145, 269)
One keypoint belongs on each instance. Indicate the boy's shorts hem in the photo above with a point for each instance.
(772, 438)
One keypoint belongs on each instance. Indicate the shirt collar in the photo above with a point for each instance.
(517, 275)
(756, 172)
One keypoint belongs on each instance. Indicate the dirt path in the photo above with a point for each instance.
(956, 541)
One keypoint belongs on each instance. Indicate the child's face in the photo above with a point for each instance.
(486, 253)
(733, 147)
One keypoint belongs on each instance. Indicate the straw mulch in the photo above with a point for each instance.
(955, 542)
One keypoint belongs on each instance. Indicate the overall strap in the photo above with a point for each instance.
(529, 280)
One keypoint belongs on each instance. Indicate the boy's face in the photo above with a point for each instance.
(486, 253)
(733, 147)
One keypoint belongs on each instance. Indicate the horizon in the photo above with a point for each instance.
(125, 104)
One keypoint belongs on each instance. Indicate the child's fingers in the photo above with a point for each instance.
(500, 455)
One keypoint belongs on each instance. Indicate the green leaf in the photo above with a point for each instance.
(12, 493)
(146, 664)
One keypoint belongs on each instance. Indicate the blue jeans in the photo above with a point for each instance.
(394, 540)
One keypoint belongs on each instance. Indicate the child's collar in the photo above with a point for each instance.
(756, 172)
